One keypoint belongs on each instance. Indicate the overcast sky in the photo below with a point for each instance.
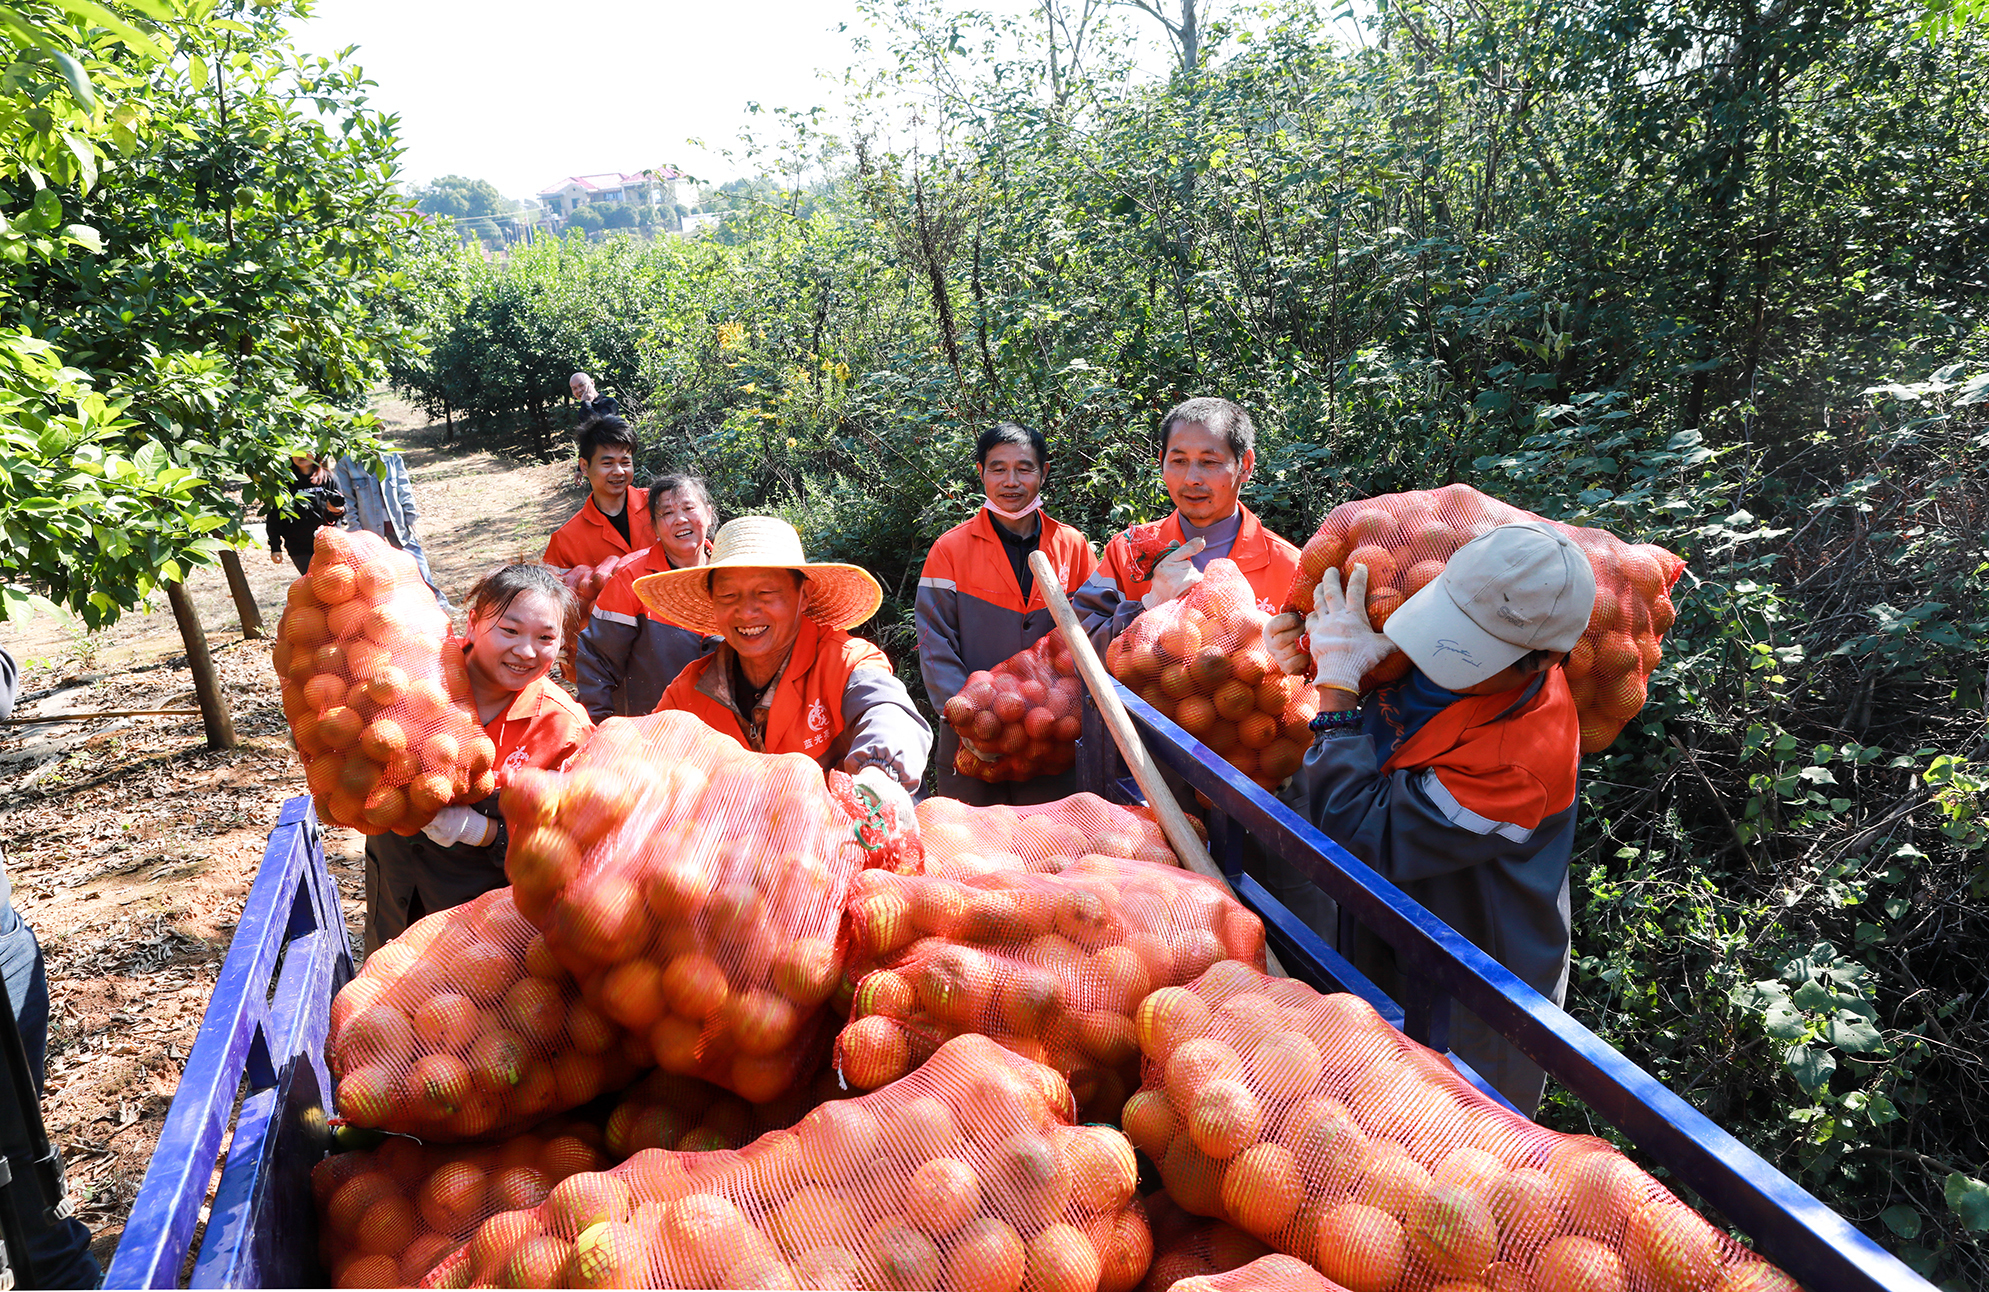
(523, 95)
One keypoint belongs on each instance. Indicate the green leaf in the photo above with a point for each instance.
(1969, 1198)
(1810, 1065)
(1854, 1035)
(79, 80)
(91, 12)
(1901, 1220)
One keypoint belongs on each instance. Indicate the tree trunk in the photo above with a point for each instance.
(245, 597)
(206, 682)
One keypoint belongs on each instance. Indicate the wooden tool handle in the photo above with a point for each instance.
(1173, 821)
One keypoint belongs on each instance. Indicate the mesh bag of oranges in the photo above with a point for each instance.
(670, 1111)
(1185, 1245)
(1020, 719)
(378, 699)
(1309, 1122)
(1201, 660)
(465, 1026)
(388, 1215)
(960, 840)
(966, 1175)
(695, 889)
(1404, 539)
(1051, 966)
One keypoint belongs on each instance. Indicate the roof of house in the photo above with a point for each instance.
(598, 183)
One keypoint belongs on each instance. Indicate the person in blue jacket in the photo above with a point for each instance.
(58, 1249)
(383, 502)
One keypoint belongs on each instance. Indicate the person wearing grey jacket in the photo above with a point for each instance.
(1457, 783)
(627, 656)
(384, 503)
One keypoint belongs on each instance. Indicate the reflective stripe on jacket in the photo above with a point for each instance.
(591, 538)
(836, 701)
(1474, 817)
(1109, 599)
(626, 657)
(970, 611)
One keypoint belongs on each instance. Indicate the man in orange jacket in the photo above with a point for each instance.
(787, 677)
(978, 603)
(1457, 783)
(614, 521)
(1207, 452)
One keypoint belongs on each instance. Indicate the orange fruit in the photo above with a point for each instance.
(333, 583)
(1380, 605)
(351, 1200)
(695, 986)
(1581, 660)
(1453, 1231)
(986, 1256)
(1360, 1247)
(446, 1022)
(1225, 1117)
(815, 1216)
(424, 1254)
(837, 1140)
(1667, 1247)
(1195, 715)
(1179, 641)
(386, 1228)
(1102, 1168)
(1473, 1168)
(1283, 1065)
(496, 1238)
(1380, 562)
(1061, 1259)
(1392, 1181)
(1150, 1122)
(1192, 1177)
(1641, 571)
(942, 1195)
(1615, 652)
(1530, 1206)
(1280, 759)
(1234, 700)
(1622, 698)
(1257, 730)
(1572, 1264)
(452, 1198)
(873, 1052)
(370, 1272)
(1663, 615)
(1176, 682)
(1328, 1145)
(1263, 1189)
(904, 1257)
(1372, 522)
(1192, 1064)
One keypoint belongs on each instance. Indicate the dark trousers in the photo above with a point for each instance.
(301, 548)
(58, 1250)
(407, 878)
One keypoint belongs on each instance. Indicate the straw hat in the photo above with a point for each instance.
(839, 596)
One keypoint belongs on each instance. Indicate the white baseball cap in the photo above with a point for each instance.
(1515, 589)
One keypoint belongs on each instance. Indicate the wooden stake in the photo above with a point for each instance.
(1173, 821)
(206, 682)
(245, 597)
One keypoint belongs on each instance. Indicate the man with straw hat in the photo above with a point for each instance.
(787, 677)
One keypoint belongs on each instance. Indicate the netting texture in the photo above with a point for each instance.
(1309, 1122)
(587, 583)
(378, 700)
(1186, 1245)
(1052, 966)
(1020, 719)
(1405, 539)
(1281, 1273)
(388, 1215)
(1201, 660)
(695, 889)
(466, 1026)
(670, 1111)
(968, 1175)
(960, 840)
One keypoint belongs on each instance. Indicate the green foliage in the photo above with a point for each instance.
(205, 286)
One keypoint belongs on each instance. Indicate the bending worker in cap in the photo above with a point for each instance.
(1457, 783)
(787, 678)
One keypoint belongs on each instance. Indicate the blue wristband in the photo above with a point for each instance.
(1334, 720)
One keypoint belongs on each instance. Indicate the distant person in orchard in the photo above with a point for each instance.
(592, 402)
(614, 521)
(788, 678)
(1208, 448)
(515, 626)
(314, 503)
(1456, 783)
(978, 603)
(627, 656)
(383, 503)
(58, 1249)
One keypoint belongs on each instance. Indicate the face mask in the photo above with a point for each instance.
(1034, 504)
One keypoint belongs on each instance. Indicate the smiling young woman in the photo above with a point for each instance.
(513, 639)
(626, 655)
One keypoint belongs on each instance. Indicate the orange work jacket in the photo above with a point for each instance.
(591, 538)
(805, 715)
(1266, 560)
(1520, 769)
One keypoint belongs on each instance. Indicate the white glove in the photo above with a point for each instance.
(901, 818)
(454, 825)
(1174, 574)
(1344, 648)
(1281, 638)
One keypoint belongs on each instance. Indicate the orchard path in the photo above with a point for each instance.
(131, 847)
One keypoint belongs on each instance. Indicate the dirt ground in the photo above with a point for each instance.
(131, 846)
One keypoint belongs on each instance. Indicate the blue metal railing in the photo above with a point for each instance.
(1789, 1226)
(268, 1047)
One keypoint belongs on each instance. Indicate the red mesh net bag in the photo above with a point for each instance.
(1051, 966)
(968, 1174)
(1309, 1122)
(1021, 719)
(377, 698)
(960, 840)
(1404, 539)
(695, 890)
(465, 1026)
(587, 582)
(669, 1111)
(1273, 1273)
(1201, 660)
(1186, 1245)
(388, 1215)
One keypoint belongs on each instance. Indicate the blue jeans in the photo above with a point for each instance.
(59, 1251)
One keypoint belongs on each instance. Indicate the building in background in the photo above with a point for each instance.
(656, 188)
